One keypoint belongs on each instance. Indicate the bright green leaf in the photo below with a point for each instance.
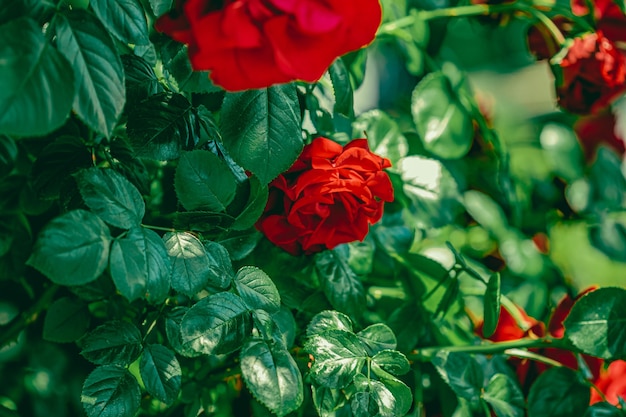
(597, 323)
(111, 391)
(257, 289)
(98, 71)
(491, 305)
(140, 265)
(328, 320)
(505, 397)
(72, 249)
(161, 373)
(124, 19)
(392, 361)
(112, 343)
(261, 129)
(216, 324)
(111, 196)
(29, 70)
(462, 373)
(558, 392)
(383, 135)
(204, 182)
(272, 375)
(342, 89)
(328, 400)
(190, 262)
(254, 207)
(444, 126)
(66, 320)
(173, 319)
(337, 355)
(377, 337)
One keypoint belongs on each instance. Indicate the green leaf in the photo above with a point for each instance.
(67, 319)
(190, 262)
(176, 64)
(111, 196)
(340, 284)
(491, 305)
(255, 206)
(505, 397)
(257, 289)
(140, 266)
(432, 190)
(610, 237)
(124, 19)
(558, 392)
(220, 267)
(377, 337)
(442, 123)
(204, 182)
(392, 361)
(30, 69)
(380, 398)
(261, 129)
(328, 320)
(328, 400)
(160, 7)
(8, 155)
(98, 71)
(383, 135)
(173, 319)
(216, 324)
(486, 212)
(597, 323)
(111, 391)
(338, 356)
(462, 373)
(604, 410)
(161, 373)
(342, 89)
(141, 81)
(112, 343)
(272, 375)
(72, 249)
(162, 126)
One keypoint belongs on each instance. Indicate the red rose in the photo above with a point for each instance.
(612, 383)
(608, 16)
(256, 43)
(594, 73)
(329, 196)
(597, 129)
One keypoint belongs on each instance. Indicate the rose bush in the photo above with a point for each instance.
(257, 43)
(329, 196)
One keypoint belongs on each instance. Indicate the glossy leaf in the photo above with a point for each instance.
(491, 305)
(190, 262)
(342, 89)
(216, 324)
(161, 373)
(328, 320)
(112, 343)
(141, 81)
(337, 356)
(444, 126)
(162, 126)
(328, 400)
(340, 285)
(140, 266)
(124, 19)
(173, 319)
(257, 289)
(383, 135)
(111, 196)
(257, 200)
(597, 323)
(377, 337)
(376, 398)
(272, 375)
(66, 320)
(261, 129)
(98, 71)
(392, 361)
(72, 249)
(604, 410)
(160, 7)
(204, 182)
(462, 373)
(558, 392)
(505, 397)
(110, 391)
(220, 267)
(29, 70)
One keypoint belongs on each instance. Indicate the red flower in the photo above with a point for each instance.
(594, 73)
(608, 16)
(329, 196)
(256, 43)
(597, 129)
(540, 41)
(612, 383)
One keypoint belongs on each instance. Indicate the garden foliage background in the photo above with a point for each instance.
(134, 277)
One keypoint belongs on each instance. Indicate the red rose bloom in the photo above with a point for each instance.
(608, 16)
(612, 383)
(598, 129)
(329, 196)
(594, 73)
(256, 43)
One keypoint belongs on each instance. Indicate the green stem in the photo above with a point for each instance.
(549, 24)
(426, 354)
(163, 229)
(485, 408)
(27, 318)
(525, 354)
